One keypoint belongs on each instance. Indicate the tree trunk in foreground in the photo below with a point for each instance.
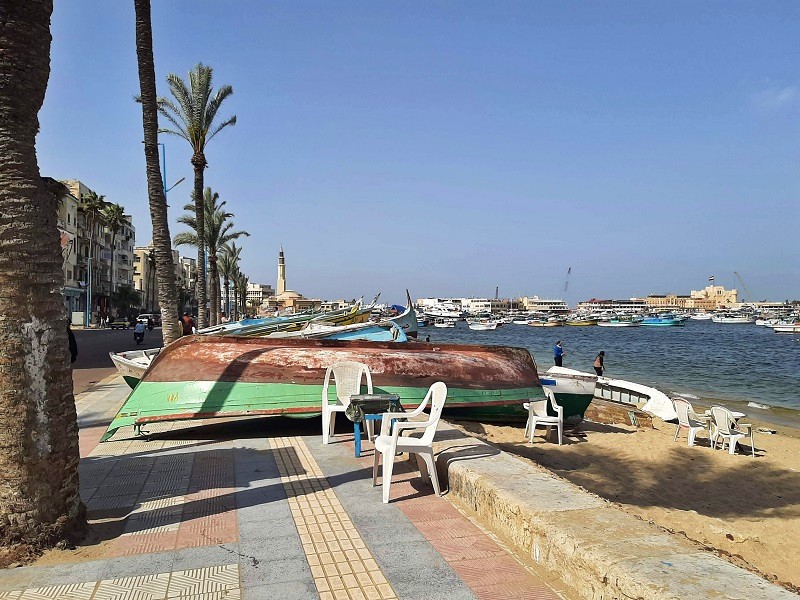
(162, 243)
(39, 500)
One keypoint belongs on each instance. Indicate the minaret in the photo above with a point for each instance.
(281, 273)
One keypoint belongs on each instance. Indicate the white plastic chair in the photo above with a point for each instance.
(688, 419)
(389, 443)
(347, 376)
(726, 427)
(537, 415)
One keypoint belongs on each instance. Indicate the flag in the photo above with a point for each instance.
(711, 278)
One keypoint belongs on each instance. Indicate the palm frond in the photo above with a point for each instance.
(186, 238)
(220, 127)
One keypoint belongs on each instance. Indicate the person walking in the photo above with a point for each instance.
(187, 323)
(598, 363)
(558, 354)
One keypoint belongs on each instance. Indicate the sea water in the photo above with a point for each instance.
(712, 362)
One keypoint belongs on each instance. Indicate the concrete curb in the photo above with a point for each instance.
(596, 548)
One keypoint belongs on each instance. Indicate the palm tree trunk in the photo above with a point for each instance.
(162, 244)
(213, 274)
(199, 164)
(227, 299)
(39, 500)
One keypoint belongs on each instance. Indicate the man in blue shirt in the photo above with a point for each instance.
(558, 353)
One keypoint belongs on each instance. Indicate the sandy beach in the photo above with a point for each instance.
(746, 509)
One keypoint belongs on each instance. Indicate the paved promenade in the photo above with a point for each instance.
(260, 509)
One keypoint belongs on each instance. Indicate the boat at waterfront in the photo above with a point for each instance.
(580, 322)
(199, 377)
(620, 322)
(573, 389)
(702, 316)
(443, 322)
(543, 323)
(733, 318)
(132, 364)
(483, 325)
(787, 328)
(664, 320)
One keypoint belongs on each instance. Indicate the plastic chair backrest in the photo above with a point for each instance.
(437, 394)
(551, 398)
(347, 376)
(684, 409)
(723, 419)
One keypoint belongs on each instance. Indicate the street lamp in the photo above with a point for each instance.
(164, 171)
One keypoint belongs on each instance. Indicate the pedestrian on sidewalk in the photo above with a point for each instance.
(73, 344)
(187, 323)
(598, 363)
(558, 353)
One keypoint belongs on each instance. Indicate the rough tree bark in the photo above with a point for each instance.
(199, 164)
(162, 242)
(39, 500)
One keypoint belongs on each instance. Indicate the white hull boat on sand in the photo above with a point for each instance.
(132, 365)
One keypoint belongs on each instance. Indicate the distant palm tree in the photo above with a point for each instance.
(165, 269)
(228, 266)
(217, 234)
(114, 219)
(193, 115)
(123, 298)
(241, 285)
(93, 208)
(39, 501)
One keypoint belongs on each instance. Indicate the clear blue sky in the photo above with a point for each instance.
(451, 147)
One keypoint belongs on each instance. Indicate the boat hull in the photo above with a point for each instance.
(214, 376)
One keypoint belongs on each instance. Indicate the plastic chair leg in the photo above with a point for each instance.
(677, 431)
(560, 434)
(422, 466)
(388, 466)
(431, 466)
(326, 427)
(375, 467)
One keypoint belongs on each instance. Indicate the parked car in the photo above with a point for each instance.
(120, 323)
(142, 318)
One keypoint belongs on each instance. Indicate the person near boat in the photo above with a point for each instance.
(558, 354)
(598, 363)
(187, 323)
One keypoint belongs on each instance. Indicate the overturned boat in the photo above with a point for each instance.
(223, 376)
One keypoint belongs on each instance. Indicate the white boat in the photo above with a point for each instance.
(132, 364)
(483, 325)
(442, 322)
(445, 310)
(732, 318)
(619, 323)
(703, 316)
(787, 328)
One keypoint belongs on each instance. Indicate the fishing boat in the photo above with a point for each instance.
(442, 322)
(702, 316)
(132, 364)
(483, 325)
(200, 377)
(787, 328)
(664, 320)
(385, 331)
(406, 318)
(543, 323)
(620, 322)
(577, 322)
(573, 389)
(733, 318)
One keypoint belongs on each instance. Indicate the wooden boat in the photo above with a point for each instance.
(573, 389)
(620, 323)
(580, 322)
(407, 319)
(548, 323)
(223, 376)
(661, 321)
(733, 318)
(132, 365)
(346, 316)
(385, 331)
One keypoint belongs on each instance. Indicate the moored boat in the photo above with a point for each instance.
(787, 328)
(573, 389)
(661, 321)
(733, 318)
(580, 322)
(483, 325)
(132, 364)
(442, 322)
(221, 376)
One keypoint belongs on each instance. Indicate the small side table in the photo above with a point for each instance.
(371, 408)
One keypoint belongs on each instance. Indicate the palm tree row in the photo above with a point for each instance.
(218, 231)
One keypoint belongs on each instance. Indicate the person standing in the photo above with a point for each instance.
(558, 353)
(598, 363)
(187, 323)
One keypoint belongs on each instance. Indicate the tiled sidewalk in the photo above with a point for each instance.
(259, 509)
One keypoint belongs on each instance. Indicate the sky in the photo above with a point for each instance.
(453, 148)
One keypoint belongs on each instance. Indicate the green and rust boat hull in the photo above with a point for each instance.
(201, 377)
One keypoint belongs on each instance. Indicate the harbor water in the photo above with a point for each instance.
(736, 365)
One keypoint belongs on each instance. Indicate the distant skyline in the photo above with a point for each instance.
(453, 148)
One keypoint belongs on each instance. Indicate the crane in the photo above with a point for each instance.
(744, 285)
(566, 283)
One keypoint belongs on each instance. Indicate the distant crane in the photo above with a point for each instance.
(744, 285)
(566, 283)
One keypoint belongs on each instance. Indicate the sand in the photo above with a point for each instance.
(746, 509)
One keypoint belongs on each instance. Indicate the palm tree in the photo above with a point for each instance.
(228, 266)
(165, 269)
(114, 219)
(39, 500)
(241, 287)
(93, 208)
(217, 234)
(151, 276)
(193, 114)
